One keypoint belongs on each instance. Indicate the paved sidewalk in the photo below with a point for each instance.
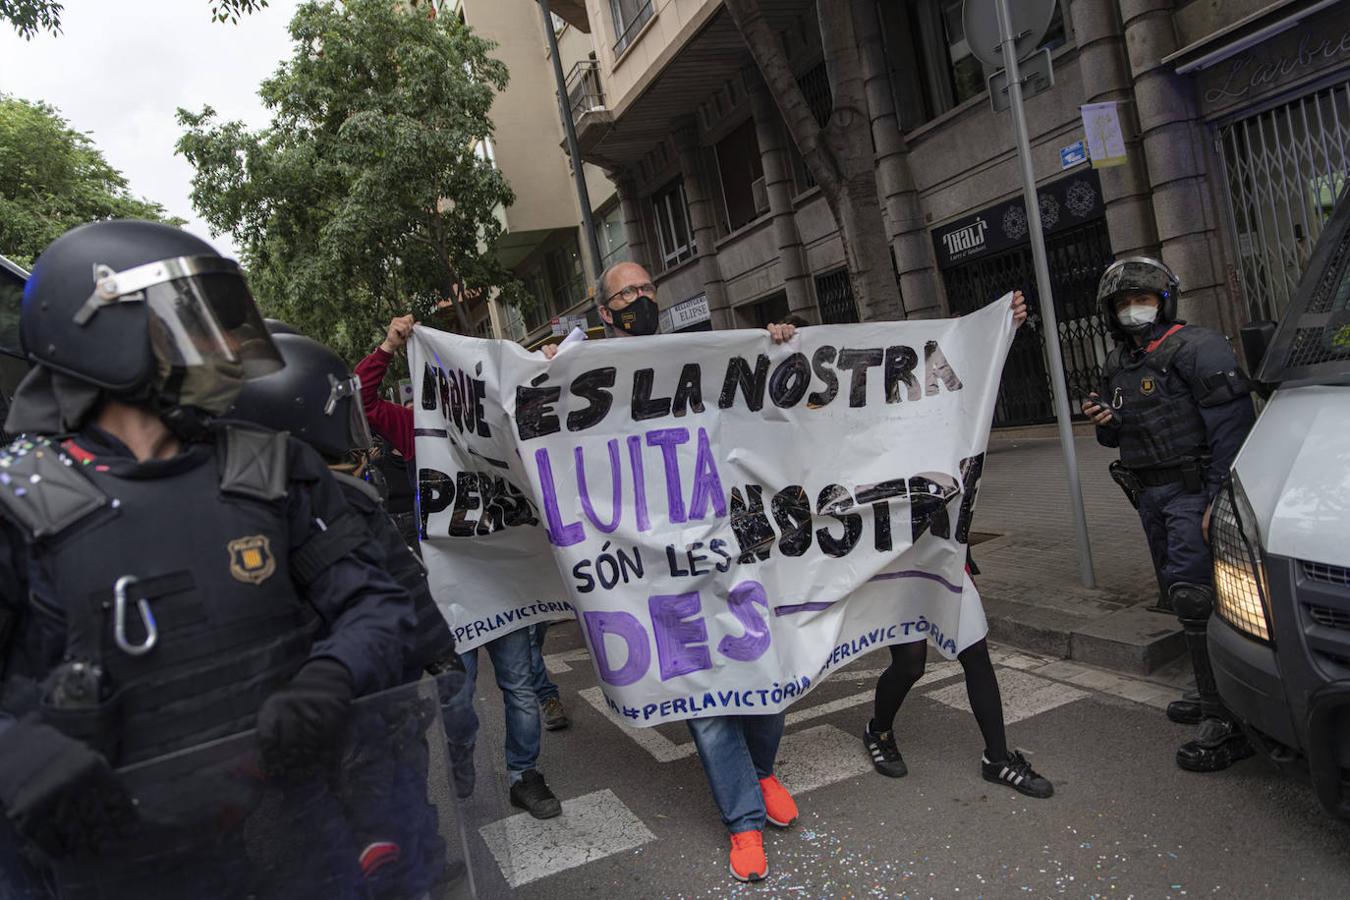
(1029, 564)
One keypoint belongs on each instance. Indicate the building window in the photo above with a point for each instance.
(938, 61)
(673, 233)
(834, 298)
(629, 17)
(815, 85)
(557, 284)
(744, 196)
(612, 238)
(485, 151)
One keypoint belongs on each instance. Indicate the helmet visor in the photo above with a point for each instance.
(358, 428)
(210, 320)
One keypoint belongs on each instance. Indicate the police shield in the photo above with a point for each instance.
(378, 818)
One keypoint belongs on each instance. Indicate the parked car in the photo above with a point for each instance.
(1280, 531)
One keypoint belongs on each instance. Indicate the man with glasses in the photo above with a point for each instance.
(737, 752)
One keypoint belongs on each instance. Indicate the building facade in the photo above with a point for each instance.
(1235, 119)
(544, 244)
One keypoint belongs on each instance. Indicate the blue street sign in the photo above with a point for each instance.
(1072, 155)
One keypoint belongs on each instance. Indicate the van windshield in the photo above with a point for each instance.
(1313, 340)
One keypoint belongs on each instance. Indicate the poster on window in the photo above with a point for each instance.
(729, 520)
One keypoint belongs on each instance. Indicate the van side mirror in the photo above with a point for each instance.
(1256, 340)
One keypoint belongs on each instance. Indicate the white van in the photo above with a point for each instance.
(1280, 531)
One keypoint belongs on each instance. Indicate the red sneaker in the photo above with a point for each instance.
(747, 856)
(779, 807)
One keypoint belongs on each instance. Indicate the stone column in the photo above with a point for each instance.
(907, 232)
(1172, 138)
(701, 220)
(778, 183)
(632, 220)
(1105, 70)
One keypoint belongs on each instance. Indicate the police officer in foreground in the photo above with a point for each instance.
(1178, 406)
(165, 579)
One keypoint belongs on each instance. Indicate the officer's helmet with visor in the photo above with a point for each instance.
(1137, 275)
(146, 312)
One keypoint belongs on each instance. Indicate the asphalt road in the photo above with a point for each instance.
(638, 820)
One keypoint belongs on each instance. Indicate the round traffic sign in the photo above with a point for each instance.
(1030, 19)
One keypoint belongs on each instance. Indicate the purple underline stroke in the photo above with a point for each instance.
(884, 576)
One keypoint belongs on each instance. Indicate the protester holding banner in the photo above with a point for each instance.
(737, 752)
(907, 666)
(514, 653)
(725, 514)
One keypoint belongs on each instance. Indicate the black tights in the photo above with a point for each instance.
(907, 662)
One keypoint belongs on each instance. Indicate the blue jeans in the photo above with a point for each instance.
(737, 751)
(544, 689)
(510, 655)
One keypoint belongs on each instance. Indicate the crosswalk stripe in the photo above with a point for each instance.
(591, 827)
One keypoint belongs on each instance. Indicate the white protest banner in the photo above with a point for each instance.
(731, 519)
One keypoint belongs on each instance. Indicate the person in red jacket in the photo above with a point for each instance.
(516, 657)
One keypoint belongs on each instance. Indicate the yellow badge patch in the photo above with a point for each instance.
(251, 559)
(1146, 385)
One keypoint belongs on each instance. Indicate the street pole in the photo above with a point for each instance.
(569, 127)
(1051, 323)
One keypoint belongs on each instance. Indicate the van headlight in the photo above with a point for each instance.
(1239, 568)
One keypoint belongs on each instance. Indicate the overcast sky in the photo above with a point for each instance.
(119, 70)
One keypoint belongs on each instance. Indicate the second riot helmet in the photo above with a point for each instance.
(315, 397)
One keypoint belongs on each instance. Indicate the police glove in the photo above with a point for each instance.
(59, 793)
(300, 724)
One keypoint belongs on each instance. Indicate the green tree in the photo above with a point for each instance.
(29, 17)
(53, 178)
(364, 198)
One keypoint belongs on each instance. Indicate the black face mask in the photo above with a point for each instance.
(638, 318)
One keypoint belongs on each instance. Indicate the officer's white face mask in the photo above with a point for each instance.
(1137, 315)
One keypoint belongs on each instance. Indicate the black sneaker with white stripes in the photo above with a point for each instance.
(1016, 773)
(886, 757)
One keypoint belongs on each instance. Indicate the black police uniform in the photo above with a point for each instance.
(149, 606)
(1182, 410)
(248, 559)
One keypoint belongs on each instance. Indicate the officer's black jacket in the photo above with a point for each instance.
(368, 619)
(1195, 372)
(434, 643)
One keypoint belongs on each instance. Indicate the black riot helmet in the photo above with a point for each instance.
(146, 312)
(315, 397)
(1137, 275)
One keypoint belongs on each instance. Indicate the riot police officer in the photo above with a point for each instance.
(166, 579)
(317, 399)
(1178, 406)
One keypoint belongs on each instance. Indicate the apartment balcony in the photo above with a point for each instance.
(586, 102)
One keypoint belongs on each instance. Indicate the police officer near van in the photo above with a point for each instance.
(1177, 405)
(165, 579)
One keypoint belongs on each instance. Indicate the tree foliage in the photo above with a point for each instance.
(53, 178)
(30, 17)
(364, 198)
